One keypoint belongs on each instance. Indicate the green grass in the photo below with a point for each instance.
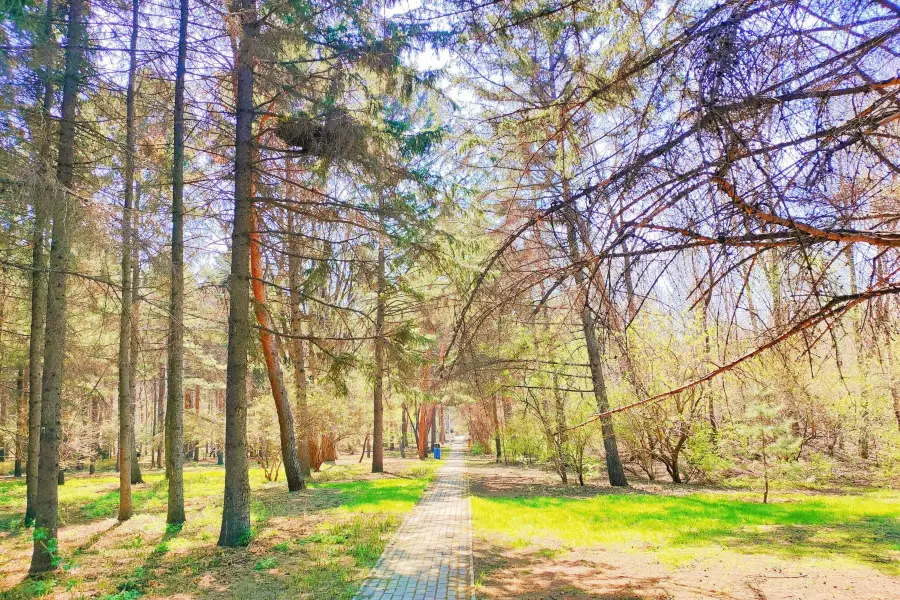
(373, 496)
(862, 528)
(318, 543)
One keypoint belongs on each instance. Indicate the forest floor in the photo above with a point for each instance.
(535, 539)
(319, 543)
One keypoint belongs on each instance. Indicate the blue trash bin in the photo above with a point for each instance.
(437, 451)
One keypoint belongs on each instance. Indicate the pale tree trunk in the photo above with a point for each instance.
(125, 423)
(433, 427)
(861, 363)
(378, 392)
(135, 329)
(235, 528)
(38, 281)
(175, 344)
(298, 351)
(45, 553)
(560, 431)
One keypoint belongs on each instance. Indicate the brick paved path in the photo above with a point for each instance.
(430, 556)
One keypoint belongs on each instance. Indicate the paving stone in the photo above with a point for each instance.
(430, 556)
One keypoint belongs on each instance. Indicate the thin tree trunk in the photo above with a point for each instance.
(893, 382)
(765, 462)
(125, 424)
(422, 437)
(560, 430)
(235, 528)
(378, 392)
(161, 416)
(298, 351)
(135, 329)
(404, 426)
(21, 421)
(496, 414)
(595, 357)
(290, 459)
(45, 553)
(362, 454)
(175, 343)
(271, 352)
(433, 427)
(861, 362)
(38, 283)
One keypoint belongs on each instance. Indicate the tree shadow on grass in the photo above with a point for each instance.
(865, 531)
(874, 541)
(501, 572)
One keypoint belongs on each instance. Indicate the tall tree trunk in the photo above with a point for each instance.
(160, 415)
(298, 350)
(861, 362)
(433, 427)
(498, 449)
(269, 344)
(893, 380)
(614, 467)
(378, 392)
(135, 329)
(125, 423)
(21, 421)
(404, 426)
(175, 343)
(38, 282)
(422, 437)
(45, 553)
(561, 429)
(235, 528)
(271, 351)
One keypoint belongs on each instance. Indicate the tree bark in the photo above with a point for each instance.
(614, 467)
(422, 437)
(404, 427)
(175, 343)
(235, 528)
(125, 423)
(496, 415)
(135, 329)
(433, 428)
(378, 392)
(289, 456)
(160, 415)
(21, 421)
(45, 552)
(298, 352)
(38, 284)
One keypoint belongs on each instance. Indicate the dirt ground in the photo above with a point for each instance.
(532, 573)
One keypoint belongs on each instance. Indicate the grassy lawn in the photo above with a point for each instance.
(864, 529)
(653, 541)
(319, 543)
